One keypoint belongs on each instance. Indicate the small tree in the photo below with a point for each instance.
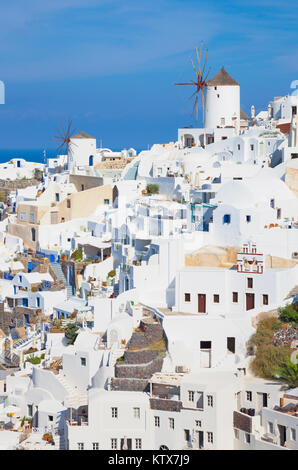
(71, 330)
(288, 372)
(152, 189)
(77, 255)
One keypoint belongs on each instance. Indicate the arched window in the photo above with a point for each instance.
(91, 160)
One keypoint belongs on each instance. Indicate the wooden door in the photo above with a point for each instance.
(250, 301)
(201, 303)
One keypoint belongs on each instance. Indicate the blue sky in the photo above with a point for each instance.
(110, 65)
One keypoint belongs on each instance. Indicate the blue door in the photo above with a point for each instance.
(91, 160)
(52, 258)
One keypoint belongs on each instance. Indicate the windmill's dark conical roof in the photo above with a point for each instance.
(82, 135)
(222, 78)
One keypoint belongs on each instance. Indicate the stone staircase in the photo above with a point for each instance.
(60, 275)
(74, 399)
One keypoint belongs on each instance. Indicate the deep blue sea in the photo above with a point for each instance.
(32, 155)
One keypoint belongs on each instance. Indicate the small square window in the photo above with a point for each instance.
(249, 396)
(186, 297)
(51, 418)
(83, 361)
(171, 423)
(157, 421)
(95, 445)
(114, 412)
(80, 445)
(198, 423)
(227, 219)
(138, 444)
(248, 219)
(210, 400)
(191, 395)
(210, 437)
(251, 147)
(107, 201)
(216, 298)
(113, 444)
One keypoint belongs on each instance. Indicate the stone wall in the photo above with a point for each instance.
(165, 405)
(130, 385)
(242, 421)
(138, 371)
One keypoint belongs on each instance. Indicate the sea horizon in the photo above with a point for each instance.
(34, 155)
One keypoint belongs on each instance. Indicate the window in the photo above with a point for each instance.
(95, 445)
(80, 445)
(227, 219)
(114, 412)
(272, 203)
(216, 298)
(107, 201)
(51, 418)
(235, 297)
(251, 147)
(33, 234)
(249, 396)
(138, 444)
(270, 427)
(238, 146)
(82, 187)
(278, 213)
(247, 438)
(30, 410)
(113, 443)
(222, 121)
(210, 437)
(21, 278)
(186, 435)
(31, 217)
(171, 423)
(157, 421)
(83, 361)
(186, 297)
(68, 204)
(210, 400)
(293, 434)
(248, 218)
(249, 282)
(57, 197)
(236, 433)
(198, 423)
(191, 395)
(23, 216)
(265, 299)
(136, 413)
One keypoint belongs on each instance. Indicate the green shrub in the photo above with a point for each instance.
(288, 373)
(152, 189)
(71, 332)
(289, 313)
(33, 360)
(77, 255)
(268, 359)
